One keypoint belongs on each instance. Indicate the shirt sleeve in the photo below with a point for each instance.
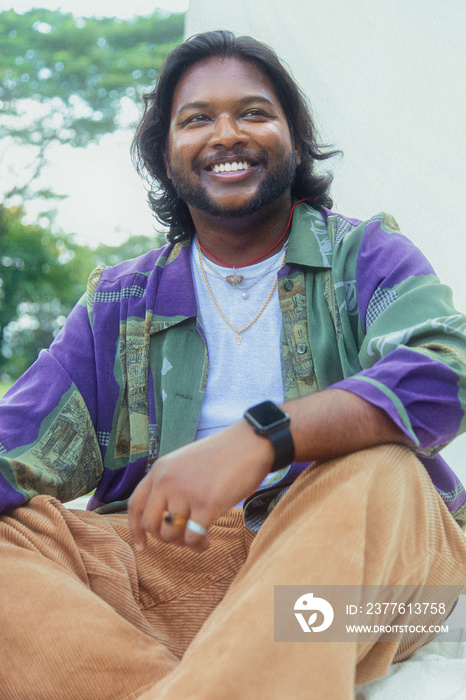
(412, 346)
(48, 443)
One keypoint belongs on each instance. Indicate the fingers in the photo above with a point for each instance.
(136, 507)
(195, 534)
(171, 508)
(173, 524)
(179, 527)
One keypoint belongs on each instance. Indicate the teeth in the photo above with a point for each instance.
(228, 167)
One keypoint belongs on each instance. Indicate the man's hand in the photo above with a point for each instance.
(203, 480)
(200, 481)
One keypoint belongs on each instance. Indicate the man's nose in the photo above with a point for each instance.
(227, 133)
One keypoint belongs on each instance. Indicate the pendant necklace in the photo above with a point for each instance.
(239, 331)
(235, 280)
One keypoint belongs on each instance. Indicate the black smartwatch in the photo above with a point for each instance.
(273, 422)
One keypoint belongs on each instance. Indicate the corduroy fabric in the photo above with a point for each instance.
(83, 616)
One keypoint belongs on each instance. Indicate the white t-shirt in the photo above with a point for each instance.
(240, 374)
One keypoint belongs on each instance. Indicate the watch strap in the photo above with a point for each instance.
(270, 421)
(282, 442)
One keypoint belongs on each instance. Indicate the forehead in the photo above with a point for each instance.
(221, 80)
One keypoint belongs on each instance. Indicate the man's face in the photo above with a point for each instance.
(230, 151)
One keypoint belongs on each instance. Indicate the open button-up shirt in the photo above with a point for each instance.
(123, 382)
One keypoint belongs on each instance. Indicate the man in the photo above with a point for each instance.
(258, 297)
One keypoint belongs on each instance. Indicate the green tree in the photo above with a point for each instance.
(42, 275)
(67, 80)
(63, 80)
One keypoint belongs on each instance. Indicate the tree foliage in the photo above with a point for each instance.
(42, 276)
(68, 80)
(36, 289)
(79, 68)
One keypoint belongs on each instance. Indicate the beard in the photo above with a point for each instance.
(274, 185)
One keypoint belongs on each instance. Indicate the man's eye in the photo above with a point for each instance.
(255, 112)
(197, 119)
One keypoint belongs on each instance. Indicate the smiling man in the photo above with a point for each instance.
(230, 153)
(258, 403)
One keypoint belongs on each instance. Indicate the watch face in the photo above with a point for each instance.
(267, 414)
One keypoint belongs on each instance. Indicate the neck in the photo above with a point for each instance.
(236, 241)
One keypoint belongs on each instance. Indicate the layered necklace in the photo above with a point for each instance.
(239, 331)
(235, 279)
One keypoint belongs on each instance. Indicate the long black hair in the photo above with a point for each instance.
(151, 137)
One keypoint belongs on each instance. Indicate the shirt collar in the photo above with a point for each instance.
(309, 242)
(175, 296)
(309, 245)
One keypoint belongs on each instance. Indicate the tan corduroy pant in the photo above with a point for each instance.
(83, 616)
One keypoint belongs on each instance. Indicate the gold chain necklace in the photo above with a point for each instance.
(238, 331)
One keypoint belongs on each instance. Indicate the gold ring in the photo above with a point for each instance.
(171, 519)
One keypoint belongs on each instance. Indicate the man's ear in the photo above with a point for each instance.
(166, 161)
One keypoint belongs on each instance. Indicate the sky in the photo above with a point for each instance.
(106, 200)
